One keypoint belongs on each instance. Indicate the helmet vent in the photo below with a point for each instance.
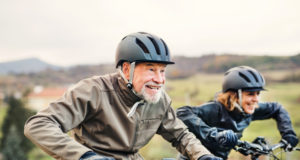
(261, 78)
(141, 45)
(155, 45)
(244, 77)
(166, 48)
(253, 75)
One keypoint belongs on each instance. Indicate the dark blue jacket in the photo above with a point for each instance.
(211, 117)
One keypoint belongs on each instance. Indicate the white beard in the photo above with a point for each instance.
(150, 98)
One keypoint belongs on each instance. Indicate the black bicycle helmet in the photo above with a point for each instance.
(142, 47)
(244, 78)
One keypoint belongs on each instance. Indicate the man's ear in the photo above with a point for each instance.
(126, 69)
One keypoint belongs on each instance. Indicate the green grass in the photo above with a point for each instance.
(3, 109)
(37, 153)
(195, 90)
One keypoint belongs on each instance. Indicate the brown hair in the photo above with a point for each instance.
(227, 99)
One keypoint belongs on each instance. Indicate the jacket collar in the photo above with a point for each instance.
(127, 96)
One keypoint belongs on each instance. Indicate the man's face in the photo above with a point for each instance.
(148, 80)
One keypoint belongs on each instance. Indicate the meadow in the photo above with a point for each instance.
(201, 88)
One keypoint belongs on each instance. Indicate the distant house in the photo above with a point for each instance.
(42, 97)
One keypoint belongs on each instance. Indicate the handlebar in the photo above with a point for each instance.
(259, 147)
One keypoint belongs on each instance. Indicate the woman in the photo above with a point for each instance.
(219, 124)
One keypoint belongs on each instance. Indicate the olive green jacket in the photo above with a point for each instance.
(96, 110)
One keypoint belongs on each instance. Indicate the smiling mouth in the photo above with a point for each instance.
(153, 87)
(251, 105)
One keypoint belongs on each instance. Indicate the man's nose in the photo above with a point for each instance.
(159, 78)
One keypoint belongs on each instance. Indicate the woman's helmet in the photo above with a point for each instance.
(142, 47)
(244, 78)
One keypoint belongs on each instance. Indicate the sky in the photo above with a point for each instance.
(72, 32)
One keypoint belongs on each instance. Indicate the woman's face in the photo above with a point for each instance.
(250, 101)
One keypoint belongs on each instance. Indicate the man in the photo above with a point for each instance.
(116, 114)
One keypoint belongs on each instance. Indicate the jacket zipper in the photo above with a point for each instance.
(136, 129)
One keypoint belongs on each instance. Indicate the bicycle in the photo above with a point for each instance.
(260, 147)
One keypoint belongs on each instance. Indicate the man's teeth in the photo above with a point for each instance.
(153, 87)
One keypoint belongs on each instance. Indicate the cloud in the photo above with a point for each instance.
(83, 32)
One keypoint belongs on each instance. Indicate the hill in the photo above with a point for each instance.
(49, 75)
(187, 66)
(30, 65)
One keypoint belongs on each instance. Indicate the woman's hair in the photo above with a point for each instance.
(227, 99)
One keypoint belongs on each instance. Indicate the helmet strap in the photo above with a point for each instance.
(122, 75)
(240, 96)
(129, 84)
(239, 106)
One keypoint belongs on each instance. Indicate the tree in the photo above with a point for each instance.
(14, 144)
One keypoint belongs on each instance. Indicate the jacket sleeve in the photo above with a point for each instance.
(48, 128)
(278, 113)
(174, 131)
(193, 118)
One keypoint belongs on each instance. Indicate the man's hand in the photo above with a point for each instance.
(227, 138)
(209, 157)
(290, 142)
(93, 156)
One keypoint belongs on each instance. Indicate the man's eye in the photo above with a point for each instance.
(251, 93)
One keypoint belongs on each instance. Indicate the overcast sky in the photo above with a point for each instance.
(69, 32)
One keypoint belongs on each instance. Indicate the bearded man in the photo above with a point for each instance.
(114, 115)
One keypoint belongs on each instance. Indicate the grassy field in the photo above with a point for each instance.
(201, 88)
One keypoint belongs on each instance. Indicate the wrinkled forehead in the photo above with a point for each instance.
(152, 64)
